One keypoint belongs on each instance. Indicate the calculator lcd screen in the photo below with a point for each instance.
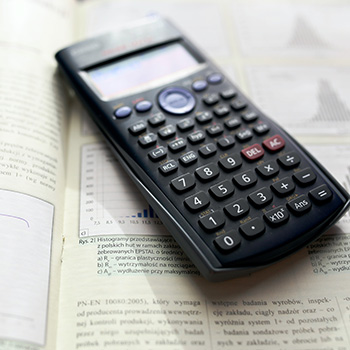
(141, 71)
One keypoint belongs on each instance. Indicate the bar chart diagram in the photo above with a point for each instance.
(110, 203)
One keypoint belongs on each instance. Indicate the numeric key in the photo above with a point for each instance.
(197, 202)
(245, 179)
(207, 172)
(261, 197)
(183, 183)
(213, 221)
(230, 163)
(228, 241)
(222, 190)
(237, 209)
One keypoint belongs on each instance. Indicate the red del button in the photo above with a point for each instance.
(274, 143)
(253, 152)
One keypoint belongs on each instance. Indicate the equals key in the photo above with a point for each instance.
(321, 194)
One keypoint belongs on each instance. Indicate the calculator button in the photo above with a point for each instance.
(197, 202)
(148, 140)
(199, 85)
(228, 241)
(305, 177)
(226, 142)
(188, 158)
(222, 190)
(253, 228)
(230, 163)
(232, 123)
(274, 143)
(215, 130)
(207, 150)
(213, 221)
(261, 129)
(143, 106)
(207, 172)
(283, 187)
(185, 124)
(183, 183)
(167, 131)
(277, 216)
(177, 145)
(238, 104)
(215, 78)
(221, 110)
(237, 209)
(196, 137)
(204, 117)
(138, 128)
(244, 135)
(157, 154)
(227, 94)
(168, 168)
(253, 152)
(261, 197)
(268, 169)
(210, 99)
(249, 117)
(321, 194)
(289, 160)
(176, 100)
(245, 179)
(157, 119)
(299, 205)
(122, 112)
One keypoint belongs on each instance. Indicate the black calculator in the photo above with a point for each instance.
(233, 188)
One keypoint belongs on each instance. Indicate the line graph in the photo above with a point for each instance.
(15, 217)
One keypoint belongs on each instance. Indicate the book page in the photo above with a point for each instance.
(33, 112)
(126, 283)
(26, 223)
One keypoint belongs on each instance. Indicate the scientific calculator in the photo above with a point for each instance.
(234, 189)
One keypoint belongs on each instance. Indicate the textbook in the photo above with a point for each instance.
(85, 263)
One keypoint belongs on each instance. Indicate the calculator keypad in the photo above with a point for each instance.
(231, 172)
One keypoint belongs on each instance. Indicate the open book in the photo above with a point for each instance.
(85, 263)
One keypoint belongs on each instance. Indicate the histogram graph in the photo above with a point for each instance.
(304, 100)
(110, 203)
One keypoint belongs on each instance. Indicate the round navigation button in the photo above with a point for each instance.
(122, 112)
(176, 100)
